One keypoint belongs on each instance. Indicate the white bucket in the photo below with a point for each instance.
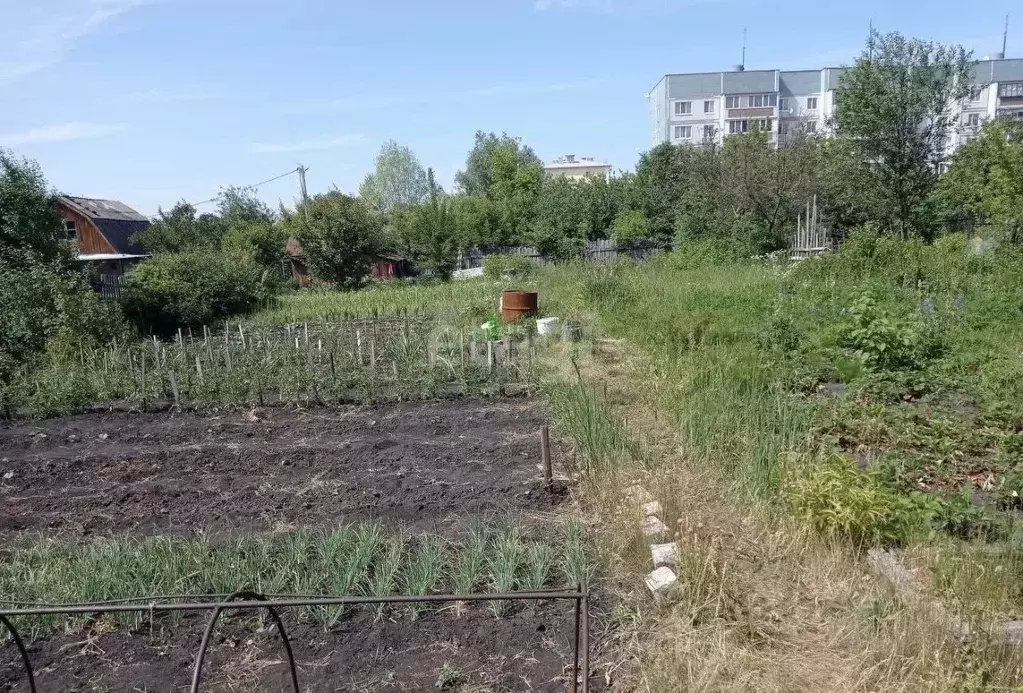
(547, 325)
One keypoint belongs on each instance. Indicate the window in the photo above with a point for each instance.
(708, 106)
(732, 102)
(757, 101)
(811, 127)
(1013, 90)
(783, 104)
(70, 231)
(683, 132)
(973, 120)
(736, 127)
(975, 93)
(811, 103)
(708, 132)
(683, 107)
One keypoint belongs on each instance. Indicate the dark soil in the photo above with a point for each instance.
(419, 464)
(521, 652)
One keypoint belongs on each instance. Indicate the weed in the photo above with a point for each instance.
(450, 677)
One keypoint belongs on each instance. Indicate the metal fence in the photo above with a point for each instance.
(251, 600)
(604, 250)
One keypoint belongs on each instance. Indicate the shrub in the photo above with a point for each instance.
(884, 342)
(48, 307)
(189, 289)
(497, 266)
(838, 500)
(339, 236)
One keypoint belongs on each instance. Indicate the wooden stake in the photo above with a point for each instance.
(227, 358)
(174, 389)
(490, 356)
(461, 348)
(198, 367)
(373, 352)
(358, 345)
(307, 334)
(545, 454)
(241, 333)
(181, 339)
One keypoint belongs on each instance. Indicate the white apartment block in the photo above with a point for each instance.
(577, 168)
(699, 108)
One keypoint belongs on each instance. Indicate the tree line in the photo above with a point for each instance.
(883, 160)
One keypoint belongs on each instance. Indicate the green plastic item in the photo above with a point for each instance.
(492, 330)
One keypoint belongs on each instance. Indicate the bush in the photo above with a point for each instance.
(48, 307)
(885, 342)
(838, 500)
(497, 266)
(189, 289)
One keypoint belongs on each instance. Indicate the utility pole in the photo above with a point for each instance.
(301, 182)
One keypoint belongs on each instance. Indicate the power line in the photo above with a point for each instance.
(300, 169)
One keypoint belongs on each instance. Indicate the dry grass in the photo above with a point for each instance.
(763, 604)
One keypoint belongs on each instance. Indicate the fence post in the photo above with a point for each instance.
(545, 454)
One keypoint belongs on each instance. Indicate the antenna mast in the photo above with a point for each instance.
(744, 47)
(1005, 36)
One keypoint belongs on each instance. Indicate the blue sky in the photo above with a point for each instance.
(154, 101)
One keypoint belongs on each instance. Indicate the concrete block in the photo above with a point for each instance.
(653, 528)
(664, 555)
(661, 583)
(652, 508)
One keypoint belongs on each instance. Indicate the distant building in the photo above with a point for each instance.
(578, 168)
(102, 231)
(700, 108)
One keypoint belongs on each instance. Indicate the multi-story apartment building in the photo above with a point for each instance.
(698, 108)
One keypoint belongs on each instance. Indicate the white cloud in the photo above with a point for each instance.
(38, 36)
(63, 132)
(332, 142)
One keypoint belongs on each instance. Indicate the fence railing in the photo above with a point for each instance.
(604, 250)
(251, 600)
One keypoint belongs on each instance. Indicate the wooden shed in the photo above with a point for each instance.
(102, 231)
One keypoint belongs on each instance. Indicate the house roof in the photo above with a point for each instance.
(115, 220)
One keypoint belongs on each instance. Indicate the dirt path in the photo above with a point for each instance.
(419, 464)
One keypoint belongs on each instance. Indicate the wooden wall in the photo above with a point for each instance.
(90, 240)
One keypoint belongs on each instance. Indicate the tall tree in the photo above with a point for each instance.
(181, 230)
(897, 107)
(985, 177)
(514, 186)
(434, 237)
(28, 222)
(339, 236)
(478, 176)
(398, 180)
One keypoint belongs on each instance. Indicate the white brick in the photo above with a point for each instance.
(661, 583)
(653, 527)
(664, 555)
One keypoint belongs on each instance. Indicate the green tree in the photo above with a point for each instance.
(241, 207)
(478, 177)
(340, 238)
(29, 226)
(514, 187)
(433, 236)
(897, 108)
(663, 176)
(630, 226)
(182, 230)
(201, 287)
(985, 178)
(560, 218)
(398, 180)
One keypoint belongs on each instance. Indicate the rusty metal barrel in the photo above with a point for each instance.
(516, 305)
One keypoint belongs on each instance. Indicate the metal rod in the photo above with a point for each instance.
(201, 657)
(545, 454)
(288, 603)
(585, 603)
(575, 661)
(21, 651)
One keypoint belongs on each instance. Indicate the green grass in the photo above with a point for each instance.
(363, 559)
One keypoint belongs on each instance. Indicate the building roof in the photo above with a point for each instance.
(576, 162)
(116, 221)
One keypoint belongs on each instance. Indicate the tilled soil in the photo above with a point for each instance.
(520, 652)
(416, 464)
